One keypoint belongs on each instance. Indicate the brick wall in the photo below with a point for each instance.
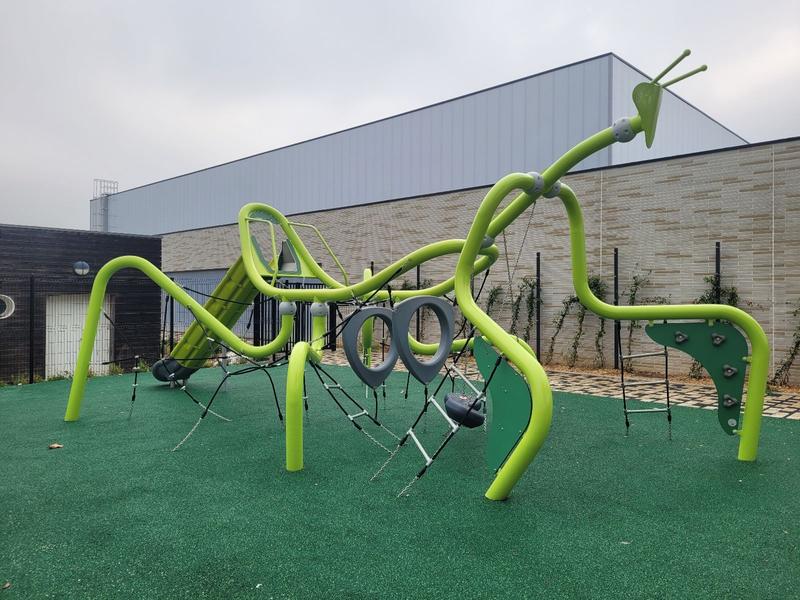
(664, 216)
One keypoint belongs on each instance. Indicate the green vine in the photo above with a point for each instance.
(494, 296)
(558, 322)
(515, 309)
(781, 376)
(530, 304)
(599, 288)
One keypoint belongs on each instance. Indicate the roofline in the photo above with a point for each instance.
(478, 187)
(408, 112)
(89, 231)
(702, 112)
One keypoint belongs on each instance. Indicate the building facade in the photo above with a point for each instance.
(461, 143)
(43, 302)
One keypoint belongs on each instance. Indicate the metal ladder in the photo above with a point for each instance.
(665, 382)
(430, 400)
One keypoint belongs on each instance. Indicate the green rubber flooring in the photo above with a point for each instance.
(115, 514)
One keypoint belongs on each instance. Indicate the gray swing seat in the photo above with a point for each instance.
(460, 408)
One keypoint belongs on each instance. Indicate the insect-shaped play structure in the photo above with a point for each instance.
(726, 340)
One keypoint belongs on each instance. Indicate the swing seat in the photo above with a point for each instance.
(458, 408)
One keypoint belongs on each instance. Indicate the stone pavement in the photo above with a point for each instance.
(777, 404)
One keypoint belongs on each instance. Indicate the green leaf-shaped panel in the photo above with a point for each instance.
(510, 404)
(722, 351)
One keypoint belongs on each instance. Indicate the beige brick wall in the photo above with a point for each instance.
(664, 217)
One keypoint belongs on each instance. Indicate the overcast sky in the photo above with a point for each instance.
(139, 91)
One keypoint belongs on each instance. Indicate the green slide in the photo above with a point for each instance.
(227, 303)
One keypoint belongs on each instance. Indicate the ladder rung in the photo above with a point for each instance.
(646, 410)
(636, 383)
(428, 459)
(464, 379)
(355, 416)
(453, 424)
(645, 355)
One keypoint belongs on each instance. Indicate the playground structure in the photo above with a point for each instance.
(514, 381)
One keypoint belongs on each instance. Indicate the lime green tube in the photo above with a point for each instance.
(214, 326)
(232, 296)
(337, 291)
(366, 333)
(759, 344)
(301, 354)
(541, 396)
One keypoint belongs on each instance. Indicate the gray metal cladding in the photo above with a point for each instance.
(682, 128)
(465, 142)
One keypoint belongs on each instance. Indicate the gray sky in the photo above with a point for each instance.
(139, 91)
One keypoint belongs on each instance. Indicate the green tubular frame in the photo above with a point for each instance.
(301, 354)
(475, 256)
(94, 311)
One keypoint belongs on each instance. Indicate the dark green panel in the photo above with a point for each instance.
(722, 350)
(510, 402)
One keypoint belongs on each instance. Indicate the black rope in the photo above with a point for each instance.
(231, 300)
(318, 369)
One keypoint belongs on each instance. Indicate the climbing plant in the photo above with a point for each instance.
(493, 297)
(531, 301)
(526, 292)
(599, 288)
(781, 376)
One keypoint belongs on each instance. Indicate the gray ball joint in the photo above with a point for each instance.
(287, 308)
(319, 309)
(623, 132)
(538, 184)
(554, 190)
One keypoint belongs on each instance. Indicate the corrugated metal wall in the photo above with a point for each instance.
(469, 141)
(682, 128)
(466, 142)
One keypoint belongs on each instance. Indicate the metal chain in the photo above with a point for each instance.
(385, 464)
(408, 487)
(188, 435)
(373, 440)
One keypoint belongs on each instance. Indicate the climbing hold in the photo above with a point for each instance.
(729, 371)
(729, 401)
(680, 337)
(459, 408)
(717, 338)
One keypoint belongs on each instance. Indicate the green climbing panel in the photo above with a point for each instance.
(510, 402)
(722, 351)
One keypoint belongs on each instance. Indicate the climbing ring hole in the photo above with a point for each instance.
(7, 306)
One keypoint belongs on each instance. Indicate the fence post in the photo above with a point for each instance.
(171, 323)
(717, 273)
(538, 305)
(616, 303)
(416, 316)
(332, 325)
(257, 320)
(31, 313)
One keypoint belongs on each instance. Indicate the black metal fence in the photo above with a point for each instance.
(258, 324)
(42, 320)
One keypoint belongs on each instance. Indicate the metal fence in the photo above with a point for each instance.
(42, 319)
(258, 324)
